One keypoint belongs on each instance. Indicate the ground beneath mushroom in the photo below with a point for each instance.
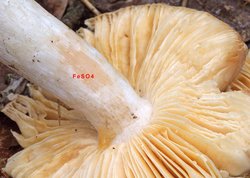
(74, 12)
(8, 145)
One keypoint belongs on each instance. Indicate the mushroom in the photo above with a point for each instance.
(160, 111)
(242, 82)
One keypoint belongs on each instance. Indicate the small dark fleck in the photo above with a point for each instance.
(33, 60)
(139, 90)
(126, 35)
(9, 38)
(113, 148)
(52, 41)
(75, 130)
(134, 117)
(38, 60)
(132, 114)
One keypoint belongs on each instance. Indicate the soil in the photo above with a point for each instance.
(73, 13)
(8, 145)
